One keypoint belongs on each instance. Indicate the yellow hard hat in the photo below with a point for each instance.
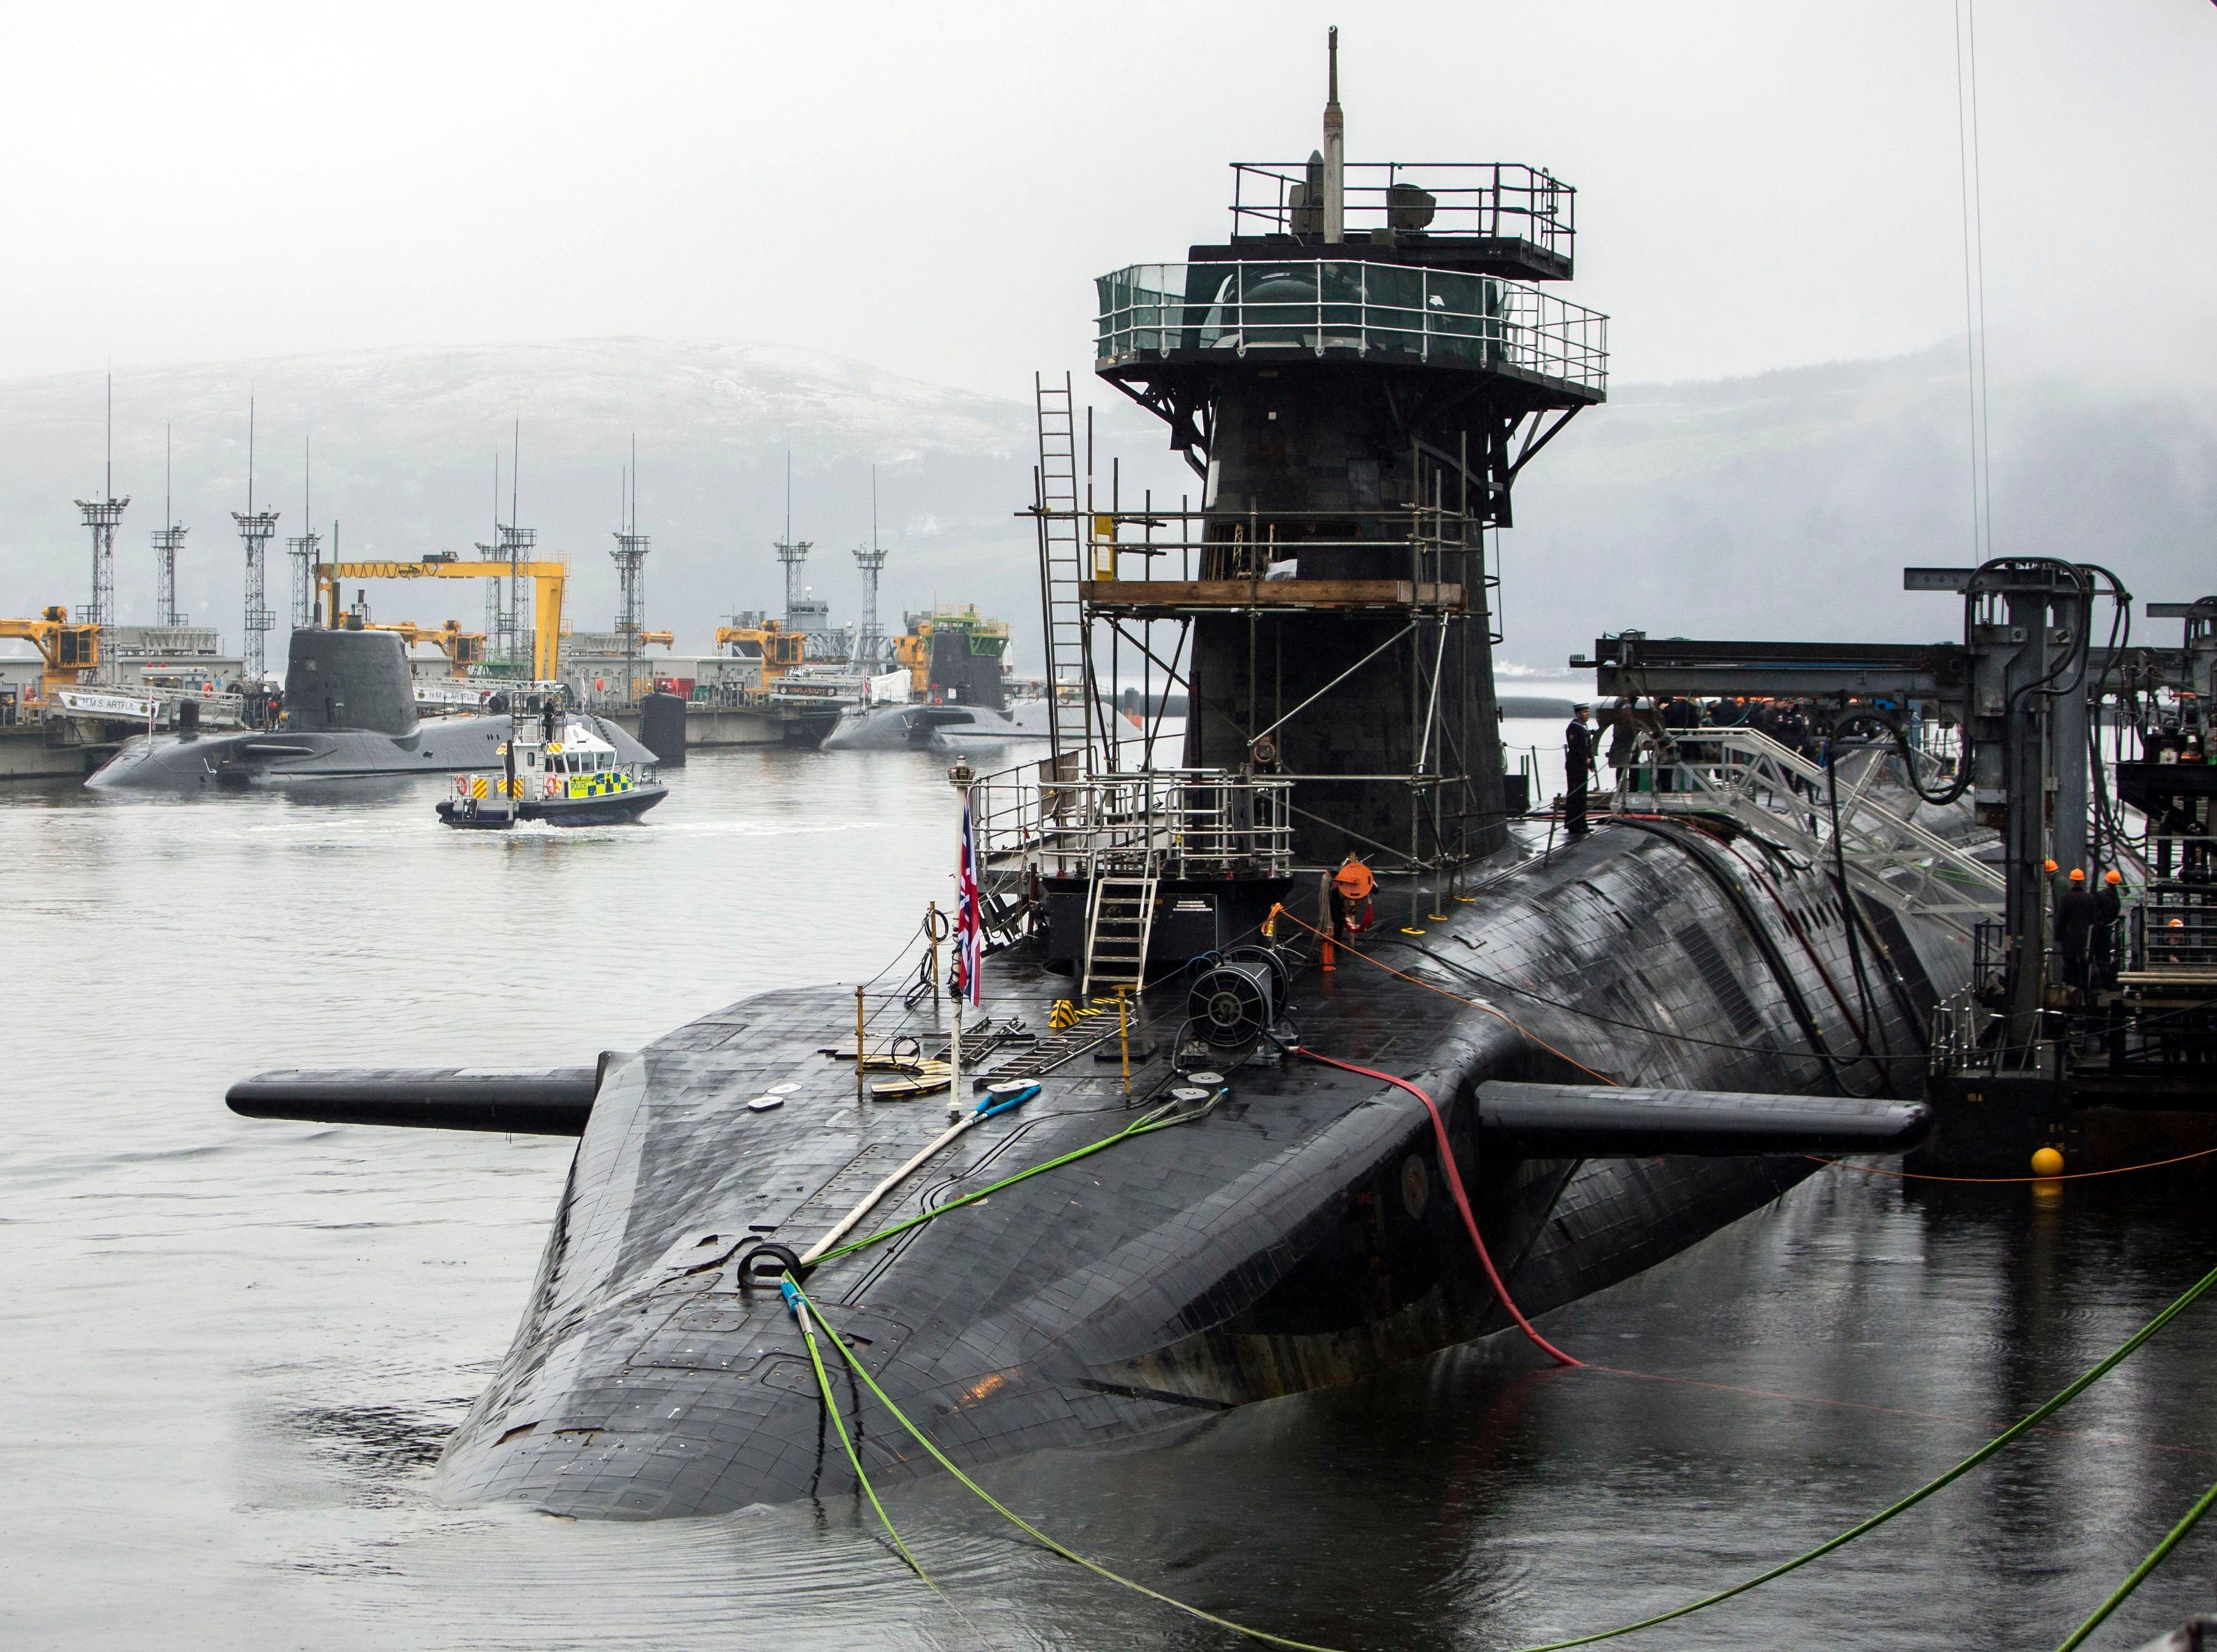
(2077, 874)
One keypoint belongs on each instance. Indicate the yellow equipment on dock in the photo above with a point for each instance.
(68, 648)
(548, 581)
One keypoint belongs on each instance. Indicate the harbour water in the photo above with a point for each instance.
(232, 1348)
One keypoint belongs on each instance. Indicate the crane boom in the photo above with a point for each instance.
(548, 580)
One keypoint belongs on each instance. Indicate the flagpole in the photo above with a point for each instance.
(955, 1059)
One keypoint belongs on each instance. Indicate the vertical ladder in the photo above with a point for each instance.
(1061, 562)
(1119, 915)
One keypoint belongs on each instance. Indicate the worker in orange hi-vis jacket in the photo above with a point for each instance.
(1350, 898)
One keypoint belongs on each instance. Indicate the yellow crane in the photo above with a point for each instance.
(463, 649)
(778, 649)
(69, 649)
(547, 579)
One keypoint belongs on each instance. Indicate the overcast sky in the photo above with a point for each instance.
(930, 188)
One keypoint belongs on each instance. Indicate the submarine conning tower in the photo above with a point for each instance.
(1358, 375)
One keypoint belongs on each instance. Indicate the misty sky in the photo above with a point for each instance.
(931, 189)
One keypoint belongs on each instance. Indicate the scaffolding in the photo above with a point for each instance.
(1128, 587)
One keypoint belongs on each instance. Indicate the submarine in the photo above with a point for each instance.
(350, 713)
(1259, 1152)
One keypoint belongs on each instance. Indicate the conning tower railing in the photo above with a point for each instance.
(1352, 308)
(1491, 200)
(1182, 823)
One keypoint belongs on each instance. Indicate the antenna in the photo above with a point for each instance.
(169, 539)
(1335, 146)
(791, 552)
(101, 516)
(255, 528)
(303, 550)
(869, 640)
(630, 556)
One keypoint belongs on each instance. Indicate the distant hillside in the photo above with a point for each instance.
(404, 448)
(1787, 506)
(1783, 504)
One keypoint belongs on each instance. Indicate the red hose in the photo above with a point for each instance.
(1461, 1199)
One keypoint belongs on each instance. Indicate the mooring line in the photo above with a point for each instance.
(799, 1301)
(2141, 1573)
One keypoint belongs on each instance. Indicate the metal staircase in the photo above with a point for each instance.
(1119, 915)
(1062, 563)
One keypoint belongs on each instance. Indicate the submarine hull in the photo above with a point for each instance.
(938, 728)
(350, 713)
(1297, 1236)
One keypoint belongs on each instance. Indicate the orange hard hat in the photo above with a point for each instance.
(2077, 874)
(2048, 865)
(2176, 923)
(2113, 877)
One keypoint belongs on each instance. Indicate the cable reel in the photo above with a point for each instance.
(1233, 1004)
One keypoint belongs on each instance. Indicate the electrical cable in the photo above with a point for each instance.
(1752, 921)
(798, 1299)
(2070, 1176)
(2006, 1438)
(1461, 1198)
(2140, 1574)
(1429, 987)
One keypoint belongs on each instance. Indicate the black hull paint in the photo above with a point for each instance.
(1299, 1237)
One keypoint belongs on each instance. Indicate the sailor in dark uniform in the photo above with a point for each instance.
(1578, 769)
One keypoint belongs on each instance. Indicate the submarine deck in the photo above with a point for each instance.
(1280, 1241)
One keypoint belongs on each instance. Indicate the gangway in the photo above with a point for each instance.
(1776, 794)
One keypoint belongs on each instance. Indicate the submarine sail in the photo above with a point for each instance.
(1632, 1041)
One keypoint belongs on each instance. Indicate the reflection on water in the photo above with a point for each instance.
(233, 1346)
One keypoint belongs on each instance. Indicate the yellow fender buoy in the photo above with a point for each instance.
(2047, 1162)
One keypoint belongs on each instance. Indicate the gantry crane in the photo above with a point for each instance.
(548, 583)
(69, 649)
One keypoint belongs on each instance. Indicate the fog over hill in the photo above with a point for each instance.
(1783, 504)
(1786, 505)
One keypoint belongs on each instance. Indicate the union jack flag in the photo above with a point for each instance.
(969, 920)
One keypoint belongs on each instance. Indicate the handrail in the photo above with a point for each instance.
(1494, 200)
(1325, 307)
(1892, 855)
(1182, 822)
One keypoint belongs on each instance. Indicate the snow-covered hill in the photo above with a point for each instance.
(404, 449)
(1783, 504)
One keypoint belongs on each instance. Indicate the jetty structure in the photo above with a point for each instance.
(1220, 1169)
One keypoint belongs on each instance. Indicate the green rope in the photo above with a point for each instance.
(2000, 1441)
(1146, 1126)
(801, 1310)
(2007, 1436)
(2156, 1557)
(1017, 1520)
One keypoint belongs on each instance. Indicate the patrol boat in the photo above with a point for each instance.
(557, 768)
(1544, 1069)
